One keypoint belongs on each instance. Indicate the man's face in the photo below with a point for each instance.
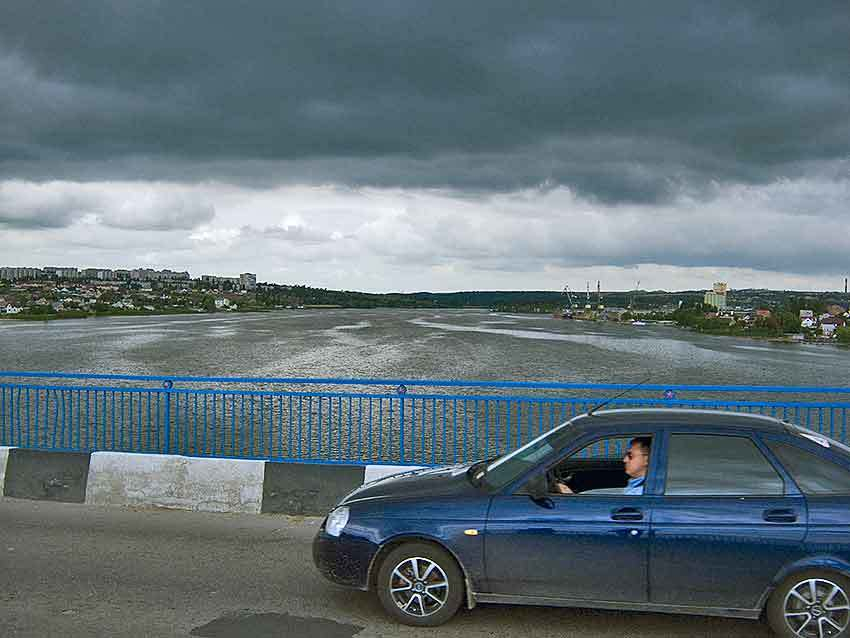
(636, 461)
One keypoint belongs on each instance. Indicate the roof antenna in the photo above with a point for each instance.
(617, 396)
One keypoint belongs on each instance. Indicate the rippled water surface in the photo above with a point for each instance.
(386, 343)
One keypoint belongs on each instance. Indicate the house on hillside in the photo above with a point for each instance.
(829, 325)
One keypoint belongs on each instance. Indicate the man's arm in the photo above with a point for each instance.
(562, 488)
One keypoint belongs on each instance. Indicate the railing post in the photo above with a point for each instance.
(401, 390)
(167, 384)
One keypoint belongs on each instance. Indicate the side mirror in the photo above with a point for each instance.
(537, 488)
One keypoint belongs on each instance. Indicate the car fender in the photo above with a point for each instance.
(823, 561)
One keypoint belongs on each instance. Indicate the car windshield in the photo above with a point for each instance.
(509, 467)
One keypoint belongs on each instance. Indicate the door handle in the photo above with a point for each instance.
(627, 514)
(780, 516)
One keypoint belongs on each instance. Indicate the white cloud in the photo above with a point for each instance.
(126, 205)
(787, 234)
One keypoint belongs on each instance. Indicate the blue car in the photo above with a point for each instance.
(680, 511)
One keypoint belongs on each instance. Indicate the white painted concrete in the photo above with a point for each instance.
(374, 472)
(4, 458)
(177, 482)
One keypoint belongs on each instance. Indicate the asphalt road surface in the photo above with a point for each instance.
(80, 571)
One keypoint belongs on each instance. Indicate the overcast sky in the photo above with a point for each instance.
(414, 145)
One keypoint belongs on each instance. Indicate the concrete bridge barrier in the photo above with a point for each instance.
(181, 482)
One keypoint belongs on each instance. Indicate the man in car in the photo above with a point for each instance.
(635, 462)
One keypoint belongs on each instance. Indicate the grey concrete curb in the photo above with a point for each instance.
(180, 482)
(46, 476)
(177, 482)
(4, 457)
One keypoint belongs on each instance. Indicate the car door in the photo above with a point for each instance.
(582, 547)
(728, 520)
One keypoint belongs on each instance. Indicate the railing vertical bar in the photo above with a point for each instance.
(390, 431)
(350, 427)
(17, 415)
(29, 420)
(251, 433)
(150, 420)
(112, 427)
(68, 410)
(123, 420)
(380, 428)
(832, 423)
(319, 438)
(159, 428)
(423, 454)
(309, 429)
(443, 444)
(369, 427)
(465, 428)
(433, 431)
(454, 429)
(328, 430)
(37, 425)
(539, 419)
(497, 429)
(204, 449)
(3, 440)
(55, 421)
(423, 426)
(262, 437)
(242, 426)
(213, 430)
(138, 428)
(359, 428)
(486, 428)
(300, 426)
(413, 429)
(339, 427)
(233, 424)
(475, 446)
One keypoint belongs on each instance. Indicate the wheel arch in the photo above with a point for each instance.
(391, 543)
(825, 562)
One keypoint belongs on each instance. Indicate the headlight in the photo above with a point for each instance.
(336, 521)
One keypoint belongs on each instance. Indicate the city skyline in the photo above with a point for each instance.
(69, 272)
(415, 146)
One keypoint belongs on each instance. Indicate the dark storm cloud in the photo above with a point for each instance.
(619, 101)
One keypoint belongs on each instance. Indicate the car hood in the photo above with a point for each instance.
(420, 483)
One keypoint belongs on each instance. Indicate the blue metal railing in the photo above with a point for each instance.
(422, 422)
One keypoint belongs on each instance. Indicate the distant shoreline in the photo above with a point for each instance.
(120, 313)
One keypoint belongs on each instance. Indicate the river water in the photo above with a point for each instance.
(389, 343)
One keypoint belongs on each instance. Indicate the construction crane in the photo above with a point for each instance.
(567, 292)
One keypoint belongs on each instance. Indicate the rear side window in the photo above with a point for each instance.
(814, 475)
(714, 465)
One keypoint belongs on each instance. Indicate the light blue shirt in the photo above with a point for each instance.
(635, 486)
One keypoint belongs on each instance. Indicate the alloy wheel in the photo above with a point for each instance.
(419, 586)
(817, 608)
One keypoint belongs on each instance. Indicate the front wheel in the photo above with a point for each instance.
(420, 584)
(811, 604)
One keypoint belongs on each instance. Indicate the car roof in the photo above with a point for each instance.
(677, 417)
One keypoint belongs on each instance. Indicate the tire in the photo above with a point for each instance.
(809, 600)
(425, 599)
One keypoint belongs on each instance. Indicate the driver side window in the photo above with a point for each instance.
(612, 466)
